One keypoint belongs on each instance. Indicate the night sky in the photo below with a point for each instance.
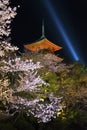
(72, 14)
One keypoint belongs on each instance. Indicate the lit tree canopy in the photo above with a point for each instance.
(18, 76)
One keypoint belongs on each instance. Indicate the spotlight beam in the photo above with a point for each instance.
(59, 26)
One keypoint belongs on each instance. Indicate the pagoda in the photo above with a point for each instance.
(42, 44)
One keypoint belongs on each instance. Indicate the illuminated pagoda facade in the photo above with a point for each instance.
(43, 44)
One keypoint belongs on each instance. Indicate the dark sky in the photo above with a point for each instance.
(26, 27)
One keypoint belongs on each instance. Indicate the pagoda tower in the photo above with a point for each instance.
(42, 43)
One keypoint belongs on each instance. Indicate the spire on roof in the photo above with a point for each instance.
(43, 30)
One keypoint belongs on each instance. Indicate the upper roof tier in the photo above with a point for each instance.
(43, 43)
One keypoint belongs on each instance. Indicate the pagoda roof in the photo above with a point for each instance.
(42, 43)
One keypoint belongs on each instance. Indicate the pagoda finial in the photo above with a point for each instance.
(43, 30)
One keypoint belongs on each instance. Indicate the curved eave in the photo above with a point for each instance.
(43, 43)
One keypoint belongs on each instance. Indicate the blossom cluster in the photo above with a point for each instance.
(6, 47)
(30, 82)
(41, 110)
(44, 112)
(18, 64)
(60, 67)
(6, 15)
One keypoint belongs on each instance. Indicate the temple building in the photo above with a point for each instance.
(43, 44)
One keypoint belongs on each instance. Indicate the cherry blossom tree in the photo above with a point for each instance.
(18, 75)
(6, 49)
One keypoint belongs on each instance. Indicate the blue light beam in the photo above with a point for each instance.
(61, 29)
